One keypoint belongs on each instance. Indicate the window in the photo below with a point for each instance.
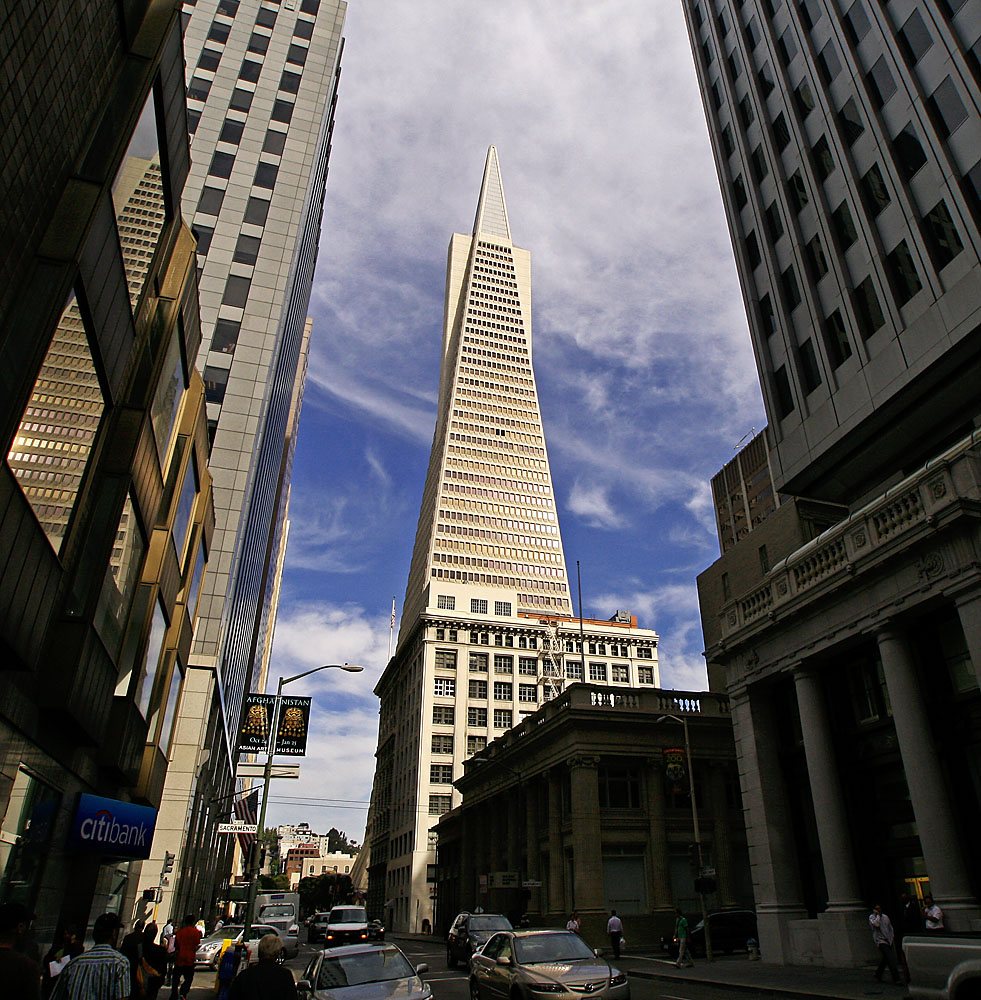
(836, 340)
(914, 38)
(784, 396)
(452, 635)
(774, 223)
(258, 43)
(247, 249)
(739, 191)
(844, 226)
(851, 121)
(236, 291)
(814, 254)
(946, 108)
(265, 175)
(203, 235)
(829, 65)
(881, 84)
(619, 787)
(765, 76)
(444, 687)
(791, 289)
(478, 607)
(478, 662)
(442, 715)
(707, 52)
(476, 743)
(502, 608)
(645, 675)
(746, 114)
(476, 716)
(528, 693)
(241, 99)
(440, 634)
(215, 382)
(811, 377)
(502, 718)
(902, 273)
(726, 587)
(597, 671)
(856, 22)
(797, 191)
(769, 324)
(620, 672)
(303, 29)
(759, 164)
(445, 602)
(218, 32)
(289, 82)
(446, 658)
(231, 131)
(780, 132)
(753, 32)
(942, 239)
(867, 308)
(503, 664)
(477, 689)
(735, 66)
(727, 142)
(753, 250)
(441, 774)
(824, 163)
(442, 743)
(193, 117)
(198, 89)
(573, 670)
(439, 804)
(908, 152)
(221, 164)
(250, 70)
(296, 54)
(275, 142)
(645, 653)
(225, 336)
(503, 691)
(228, 7)
(528, 666)
(874, 191)
(808, 15)
(282, 111)
(804, 99)
(266, 18)
(209, 59)
(787, 46)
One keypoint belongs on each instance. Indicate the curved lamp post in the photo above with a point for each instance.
(352, 668)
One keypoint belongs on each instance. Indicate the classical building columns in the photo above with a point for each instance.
(720, 834)
(534, 872)
(556, 862)
(969, 611)
(658, 838)
(939, 842)
(587, 847)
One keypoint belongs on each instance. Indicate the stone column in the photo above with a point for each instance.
(772, 854)
(845, 941)
(661, 901)
(468, 871)
(587, 846)
(720, 835)
(514, 838)
(556, 862)
(939, 842)
(533, 847)
(969, 610)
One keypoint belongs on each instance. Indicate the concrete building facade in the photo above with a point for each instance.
(847, 142)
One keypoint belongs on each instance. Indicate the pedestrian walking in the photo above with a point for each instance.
(187, 940)
(682, 935)
(19, 974)
(169, 942)
(614, 927)
(132, 947)
(574, 922)
(883, 936)
(66, 946)
(101, 973)
(933, 916)
(152, 965)
(267, 979)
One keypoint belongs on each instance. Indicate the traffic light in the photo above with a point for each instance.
(168, 865)
(693, 857)
(705, 885)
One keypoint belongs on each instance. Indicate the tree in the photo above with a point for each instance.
(323, 891)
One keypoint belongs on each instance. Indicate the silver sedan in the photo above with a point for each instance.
(363, 972)
(543, 965)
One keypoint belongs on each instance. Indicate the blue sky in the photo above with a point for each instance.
(643, 360)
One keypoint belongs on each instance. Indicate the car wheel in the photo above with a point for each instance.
(474, 989)
(450, 959)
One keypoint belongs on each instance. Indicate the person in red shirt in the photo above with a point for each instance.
(188, 938)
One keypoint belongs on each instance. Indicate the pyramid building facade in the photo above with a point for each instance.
(487, 633)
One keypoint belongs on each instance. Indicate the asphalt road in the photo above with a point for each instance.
(451, 984)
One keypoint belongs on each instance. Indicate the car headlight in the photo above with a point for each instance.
(619, 979)
(546, 988)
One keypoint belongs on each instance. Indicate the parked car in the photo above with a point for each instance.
(376, 930)
(525, 964)
(731, 929)
(944, 966)
(469, 932)
(210, 948)
(317, 927)
(363, 972)
(346, 925)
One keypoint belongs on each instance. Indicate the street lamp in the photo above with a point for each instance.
(694, 820)
(351, 668)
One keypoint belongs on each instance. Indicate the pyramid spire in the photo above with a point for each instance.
(492, 213)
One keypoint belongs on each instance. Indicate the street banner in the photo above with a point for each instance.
(674, 769)
(294, 718)
(257, 712)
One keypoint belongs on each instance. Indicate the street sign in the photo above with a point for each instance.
(531, 885)
(707, 872)
(238, 827)
(259, 771)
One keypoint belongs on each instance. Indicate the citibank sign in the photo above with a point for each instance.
(112, 827)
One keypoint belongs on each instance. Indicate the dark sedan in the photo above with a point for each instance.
(731, 930)
(469, 933)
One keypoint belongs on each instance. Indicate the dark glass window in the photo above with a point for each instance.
(844, 226)
(765, 76)
(265, 175)
(225, 336)
(266, 17)
(716, 95)
(810, 14)
(867, 308)
(297, 54)
(881, 83)
(256, 211)
(914, 38)
(258, 43)
(836, 340)
(697, 14)
(215, 382)
(746, 111)
(203, 235)
(282, 111)
(228, 7)
(727, 142)
(303, 29)
(274, 142)
(943, 241)
(619, 788)
(791, 290)
(724, 23)
(218, 31)
(810, 371)
(774, 224)
(236, 291)
(193, 117)
(241, 99)
(198, 89)
(289, 81)
(760, 167)
(908, 152)
(797, 191)
(739, 191)
(767, 319)
(804, 99)
(857, 22)
(824, 163)
(753, 32)
(221, 164)
(250, 70)
(780, 132)
(875, 194)
(828, 62)
(247, 249)
(851, 121)
(231, 131)
(753, 250)
(814, 253)
(310, 6)
(707, 52)
(211, 199)
(781, 389)
(209, 59)
(787, 47)
(735, 65)
(946, 107)
(901, 270)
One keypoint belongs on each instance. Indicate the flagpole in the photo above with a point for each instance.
(391, 634)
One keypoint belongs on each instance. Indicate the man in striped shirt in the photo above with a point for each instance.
(100, 973)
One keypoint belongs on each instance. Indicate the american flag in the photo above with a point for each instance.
(247, 810)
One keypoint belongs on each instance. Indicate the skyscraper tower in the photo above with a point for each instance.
(487, 570)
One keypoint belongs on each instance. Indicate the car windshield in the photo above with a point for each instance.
(375, 966)
(348, 915)
(533, 949)
(490, 923)
(228, 931)
(281, 910)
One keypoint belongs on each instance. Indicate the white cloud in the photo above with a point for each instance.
(592, 504)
